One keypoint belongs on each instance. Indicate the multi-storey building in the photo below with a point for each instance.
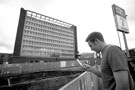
(43, 37)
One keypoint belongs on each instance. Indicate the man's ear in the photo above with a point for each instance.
(96, 41)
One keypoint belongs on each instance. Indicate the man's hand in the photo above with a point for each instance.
(87, 67)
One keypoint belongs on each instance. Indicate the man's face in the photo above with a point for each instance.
(94, 46)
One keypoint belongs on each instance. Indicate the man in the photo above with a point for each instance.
(114, 68)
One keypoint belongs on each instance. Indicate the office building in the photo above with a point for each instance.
(40, 36)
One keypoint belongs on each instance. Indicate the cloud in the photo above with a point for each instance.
(130, 10)
(4, 1)
(87, 15)
(5, 50)
(6, 47)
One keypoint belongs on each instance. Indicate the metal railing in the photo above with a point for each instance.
(86, 81)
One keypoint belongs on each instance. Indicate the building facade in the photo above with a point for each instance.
(40, 36)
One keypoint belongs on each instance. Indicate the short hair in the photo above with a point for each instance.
(95, 35)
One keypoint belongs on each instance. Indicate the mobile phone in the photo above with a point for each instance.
(79, 62)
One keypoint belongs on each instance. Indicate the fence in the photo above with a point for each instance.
(86, 81)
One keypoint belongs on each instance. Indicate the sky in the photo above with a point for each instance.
(87, 15)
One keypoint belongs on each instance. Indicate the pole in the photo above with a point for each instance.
(119, 39)
(1, 69)
(126, 46)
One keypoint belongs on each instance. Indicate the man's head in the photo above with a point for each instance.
(95, 40)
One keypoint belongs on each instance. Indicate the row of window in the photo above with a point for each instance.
(47, 36)
(49, 41)
(47, 49)
(34, 24)
(45, 21)
(46, 28)
(44, 54)
(32, 43)
(41, 34)
(42, 23)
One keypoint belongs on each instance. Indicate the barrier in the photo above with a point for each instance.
(82, 82)
(86, 81)
(37, 67)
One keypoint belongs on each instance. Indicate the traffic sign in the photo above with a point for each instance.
(121, 24)
(120, 19)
